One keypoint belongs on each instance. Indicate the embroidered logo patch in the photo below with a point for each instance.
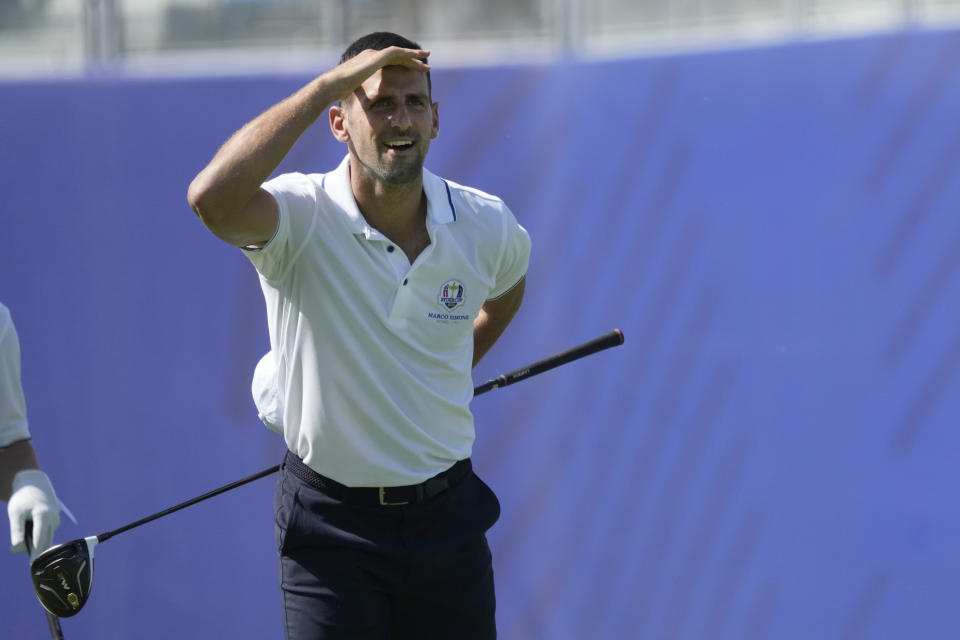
(451, 295)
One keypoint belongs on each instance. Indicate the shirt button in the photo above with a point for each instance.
(390, 248)
(404, 282)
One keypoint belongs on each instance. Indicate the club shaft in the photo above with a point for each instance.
(233, 485)
(53, 622)
(607, 340)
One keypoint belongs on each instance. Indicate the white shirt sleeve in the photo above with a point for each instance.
(296, 196)
(13, 407)
(514, 256)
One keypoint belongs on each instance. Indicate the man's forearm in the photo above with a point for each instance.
(248, 158)
(493, 319)
(17, 457)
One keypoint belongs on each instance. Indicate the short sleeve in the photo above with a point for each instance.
(514, 256)
(296, 197)
(13, 407)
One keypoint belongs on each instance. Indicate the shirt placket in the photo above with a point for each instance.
(406, 275)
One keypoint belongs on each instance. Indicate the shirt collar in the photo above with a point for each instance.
(336, 184)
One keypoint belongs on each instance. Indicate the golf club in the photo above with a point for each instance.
(63, 574)
(52, 621)
(611, 339)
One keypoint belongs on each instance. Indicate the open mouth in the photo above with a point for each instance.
(402, 144)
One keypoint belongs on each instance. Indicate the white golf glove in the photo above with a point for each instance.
(33, 499)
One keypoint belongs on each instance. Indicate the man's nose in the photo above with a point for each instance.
(400, 117)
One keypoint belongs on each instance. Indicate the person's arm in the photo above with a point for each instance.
(226, 195)
(494, 317)
(13, 459)
(23, 486)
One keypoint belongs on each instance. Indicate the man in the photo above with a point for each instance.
(384, 285)
(23, 486)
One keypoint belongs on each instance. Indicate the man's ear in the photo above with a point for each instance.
(436, 121)
(338, 123)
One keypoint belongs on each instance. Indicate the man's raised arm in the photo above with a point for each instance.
(227, 196)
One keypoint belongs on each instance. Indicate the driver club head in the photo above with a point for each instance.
(62, 576)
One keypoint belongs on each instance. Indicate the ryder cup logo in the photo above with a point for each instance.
(451, 295)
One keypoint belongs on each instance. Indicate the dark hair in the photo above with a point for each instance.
(378, 41)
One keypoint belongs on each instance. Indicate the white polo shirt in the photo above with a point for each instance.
(13, 407)
(373, 355)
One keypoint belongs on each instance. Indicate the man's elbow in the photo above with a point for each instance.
(199, 198)
(212, 210)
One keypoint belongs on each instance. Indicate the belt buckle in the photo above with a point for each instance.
(381, 491)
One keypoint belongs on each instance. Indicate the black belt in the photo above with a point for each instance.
(384, 496)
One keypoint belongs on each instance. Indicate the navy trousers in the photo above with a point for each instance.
(419, 571)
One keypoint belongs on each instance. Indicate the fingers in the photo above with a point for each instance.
(396, 56)
(17, 518)
(33, 499)
(410, 58)
(343, 80)
(45, 522)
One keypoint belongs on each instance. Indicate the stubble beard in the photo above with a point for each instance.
(395, 172)
(401, 171)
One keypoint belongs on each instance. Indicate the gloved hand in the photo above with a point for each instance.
(33, 499)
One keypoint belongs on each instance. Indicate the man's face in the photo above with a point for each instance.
(389, 123)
